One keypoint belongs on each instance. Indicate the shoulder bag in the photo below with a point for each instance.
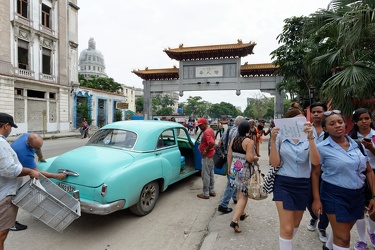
(219, 158)
(270, 177)
(255, 188)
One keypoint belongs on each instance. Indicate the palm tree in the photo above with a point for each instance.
(347, 32)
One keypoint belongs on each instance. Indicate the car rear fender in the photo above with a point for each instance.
(128, 183)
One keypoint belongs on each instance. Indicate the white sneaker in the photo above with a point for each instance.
(323, 236)
(312, 225)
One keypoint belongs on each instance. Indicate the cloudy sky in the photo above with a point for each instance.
(132, 34)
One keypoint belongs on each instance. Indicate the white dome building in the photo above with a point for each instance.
(91, 62)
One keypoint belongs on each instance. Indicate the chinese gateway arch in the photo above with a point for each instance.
(211, 68)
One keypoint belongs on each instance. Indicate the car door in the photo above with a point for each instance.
(198, 158)
(170, 156)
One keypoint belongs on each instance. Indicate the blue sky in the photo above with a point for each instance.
(132, 34)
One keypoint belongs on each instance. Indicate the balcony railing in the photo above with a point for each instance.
(25, 73)
(49, 78)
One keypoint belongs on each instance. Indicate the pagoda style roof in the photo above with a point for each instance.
(261, 69)
(157, 74)
(247, 70)
(235, 50)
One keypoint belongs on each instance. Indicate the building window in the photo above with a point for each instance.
(89, 67)
(36, 94)
(18, 91)
(94, 67)
(23, 54)
(46, 16)
(89, 58)
(46, 61)
(22, 8)
(52, 95)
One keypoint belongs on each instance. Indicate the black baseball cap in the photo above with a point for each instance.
(5, 118)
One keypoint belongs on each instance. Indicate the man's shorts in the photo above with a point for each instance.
(8, 213)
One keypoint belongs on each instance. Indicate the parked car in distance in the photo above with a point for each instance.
(127, 164)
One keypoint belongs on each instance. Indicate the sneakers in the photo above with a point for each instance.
(325, 248)
(323, 236)
(312, 225)
(18, 227)
(372, 237)
(224, 210)
(360, 245)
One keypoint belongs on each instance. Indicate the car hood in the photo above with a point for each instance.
(94, 164)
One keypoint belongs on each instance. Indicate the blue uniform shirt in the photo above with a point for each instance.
(295, 158)
(24, 152)
(342, 168)
(371, 156)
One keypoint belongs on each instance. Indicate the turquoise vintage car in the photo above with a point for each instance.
(126, 164)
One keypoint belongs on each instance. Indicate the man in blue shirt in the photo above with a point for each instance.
(26, 146)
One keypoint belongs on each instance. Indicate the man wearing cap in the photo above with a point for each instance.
(207, 150)
(26, 146)
(10, 169)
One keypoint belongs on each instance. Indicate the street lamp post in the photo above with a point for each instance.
(311, 94)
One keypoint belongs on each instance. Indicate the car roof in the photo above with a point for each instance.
(147, 131)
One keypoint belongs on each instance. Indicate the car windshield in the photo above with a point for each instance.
(113, 138)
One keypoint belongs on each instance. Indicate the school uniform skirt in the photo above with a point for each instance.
(346, 204)
(293, 192)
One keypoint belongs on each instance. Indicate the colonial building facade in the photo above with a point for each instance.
(39, 63)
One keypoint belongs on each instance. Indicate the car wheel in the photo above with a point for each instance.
(147, 199)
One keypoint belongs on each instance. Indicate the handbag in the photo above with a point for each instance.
(270, 177)
(269, 180)
(255, 189)
(219, 158)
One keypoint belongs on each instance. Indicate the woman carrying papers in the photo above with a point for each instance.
(292, 181)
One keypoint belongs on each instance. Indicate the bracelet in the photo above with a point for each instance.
(311, 138)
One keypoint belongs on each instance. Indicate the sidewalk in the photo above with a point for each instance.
(47, 136)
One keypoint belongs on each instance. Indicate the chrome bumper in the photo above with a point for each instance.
(101, 209)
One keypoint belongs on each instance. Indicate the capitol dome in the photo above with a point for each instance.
(91, 61)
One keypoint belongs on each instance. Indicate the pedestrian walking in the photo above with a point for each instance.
(344, 170)
(317, 110)
(363, 131)
(292, 181)
(229, 193)
(241, 157)
(207, 150)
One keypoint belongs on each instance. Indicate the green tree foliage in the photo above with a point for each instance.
(118, 115)
(139, 104)
(294, 57)
(346, 30)
(333, 50)
(195, 106)
(101, 83)
(260, 107)
(223, 108)
(160, 105)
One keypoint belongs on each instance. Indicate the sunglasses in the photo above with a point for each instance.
(330, 112)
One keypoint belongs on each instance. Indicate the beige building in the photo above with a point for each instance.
(39, 63)
(129, 93)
